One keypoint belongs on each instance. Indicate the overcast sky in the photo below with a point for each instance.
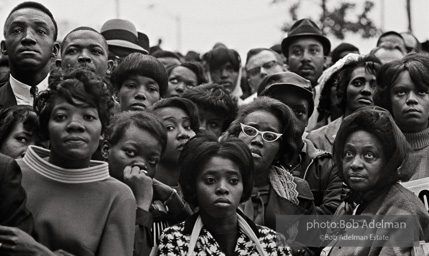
(198, 24)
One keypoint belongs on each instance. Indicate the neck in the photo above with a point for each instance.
(30, 77)
(261, 178)
(68, 163)
(224, 225)
(168, 174)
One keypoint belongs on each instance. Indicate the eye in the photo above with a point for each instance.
(71, 50)
(41, 31)
(213, 125)
(296, 52)
(270, 64)
(358, 82)
(190, 85)
(234, 181)
(130, 152)
(170, 127)
(299, 112)
(369, 155)
(270, 136)
(153, 160)
(348, 155)
(22, 139)
(423, 92)
(130, 85)
(153, 89)
(174, 80)
(89, 117)
(399, 92)
(16, 30)
(314, 50)
(250, 131)
(59, 117)
(209, 180)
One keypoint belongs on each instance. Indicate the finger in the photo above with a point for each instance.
(7, 230)
(135, 170)
(127, 170)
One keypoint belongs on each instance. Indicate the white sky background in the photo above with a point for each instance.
(240, 24)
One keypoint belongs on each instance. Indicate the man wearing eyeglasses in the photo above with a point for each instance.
(261, 62)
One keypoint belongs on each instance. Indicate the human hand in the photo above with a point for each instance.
(17, 242)
(141, 185)
(161, 191)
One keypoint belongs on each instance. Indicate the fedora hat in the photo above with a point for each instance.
(122, 33)
(305, 28)
(288, 82)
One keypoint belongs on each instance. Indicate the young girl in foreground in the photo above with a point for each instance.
(217, 177)
(76, 205)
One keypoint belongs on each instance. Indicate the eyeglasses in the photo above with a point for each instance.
(253, 132)
(257, 70)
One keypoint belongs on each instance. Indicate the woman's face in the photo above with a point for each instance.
(138, 93)
(179, 131)
(263, 152)
(74, 132)
(179, 80)
(410, 106)
(363, 161)
(15, 145)
(360, 90)
(135, 147)
(219, 187)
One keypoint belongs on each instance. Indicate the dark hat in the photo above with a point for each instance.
(305, 28)
(122, 33)
(289, 82)
(143, 41)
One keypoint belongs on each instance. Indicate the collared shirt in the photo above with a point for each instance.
(22, 91)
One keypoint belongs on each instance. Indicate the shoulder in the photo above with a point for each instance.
(173, 236)
(116, 189)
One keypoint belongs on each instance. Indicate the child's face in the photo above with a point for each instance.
(138, 93)
(178, 125)
(136, 147)
(17, 142)
(74, 132)
(210, 121)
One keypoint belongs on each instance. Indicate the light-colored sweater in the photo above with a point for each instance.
(82, 211)
(419, 157)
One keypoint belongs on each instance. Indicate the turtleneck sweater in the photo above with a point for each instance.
(419, 157)
(81, 211)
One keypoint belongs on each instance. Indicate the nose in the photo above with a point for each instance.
(140, 163)
(141, 94)
(75, 125)
(28, 37)
(367, 89)
(84, 56)
(185, 133)
(356, 163)
(412, 99)
(203, 124)
(222, 188)
(180, 88)
(224, 73)
(257, 140)
(305, 56)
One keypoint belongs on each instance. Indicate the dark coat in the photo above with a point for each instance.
(7, 98)
(13, 212)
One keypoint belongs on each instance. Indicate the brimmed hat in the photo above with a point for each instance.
(305, 28)
(122, 33)
(288, 81)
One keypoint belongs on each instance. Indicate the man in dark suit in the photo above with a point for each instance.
(30, 33)
(13, 212)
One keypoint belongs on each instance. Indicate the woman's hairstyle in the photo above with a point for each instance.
(221, 55)
(79, 87)
(140, 119)
(290, 131)
(184, 104)
(11, 116)
(200, 149)
(371, 64)
(142, 65)
(195, 67)
(214, 98)
(378, 122)
(417, 66)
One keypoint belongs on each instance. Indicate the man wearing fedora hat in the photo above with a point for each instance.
(305, 49)
(313, 165)
(122, 38)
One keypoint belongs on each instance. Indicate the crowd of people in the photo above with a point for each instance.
(111, 147)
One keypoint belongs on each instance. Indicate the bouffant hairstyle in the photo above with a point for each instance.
(200, 149)
(378, 122)
(371, 64)
(214, 98)
(141, 119)
(290, 131)
(79, 87)
(417, 65)
(37, 6)
(195, 67)
(221, 55)
(11, 116)
(184, 104)
(143, 65)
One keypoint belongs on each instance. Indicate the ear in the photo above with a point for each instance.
(325, 63)
(58, 63)
(105, 150)
(55, 49)
(3, 47)
(110, 65)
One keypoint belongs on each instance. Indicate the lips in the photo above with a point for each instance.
(256, 153)
(306, 68)
(138, 106)
(74, 140)
(222, 201)
(412, 110)
(180, 147)
(364, 100)
(27, 50)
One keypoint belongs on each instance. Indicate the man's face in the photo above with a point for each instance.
(226, 76)
(29, 39)
(259, 66)
(306, 58)
(86, 48)
(394, 39)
